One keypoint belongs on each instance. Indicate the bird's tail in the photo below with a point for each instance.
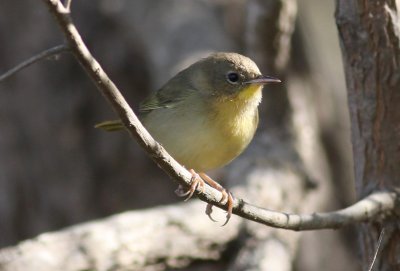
(110, 125)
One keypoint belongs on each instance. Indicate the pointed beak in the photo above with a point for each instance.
(262, 80)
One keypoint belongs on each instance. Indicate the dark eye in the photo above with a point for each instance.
(232, 77)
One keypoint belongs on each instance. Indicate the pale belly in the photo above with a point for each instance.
(199, 144)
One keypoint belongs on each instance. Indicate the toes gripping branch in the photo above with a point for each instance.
(198, 181)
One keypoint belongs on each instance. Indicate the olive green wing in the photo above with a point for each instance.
(158, 101)
(167, 97)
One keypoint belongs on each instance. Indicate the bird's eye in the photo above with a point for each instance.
(232, 77)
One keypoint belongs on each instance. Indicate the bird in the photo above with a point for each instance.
(205, 116)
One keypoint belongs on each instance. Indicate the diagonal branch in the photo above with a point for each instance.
(364, 210)
(68, 5)
(44, 54)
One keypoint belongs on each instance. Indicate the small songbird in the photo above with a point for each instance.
(205, 116)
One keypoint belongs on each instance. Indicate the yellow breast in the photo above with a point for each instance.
(237, 121)
(206, 137)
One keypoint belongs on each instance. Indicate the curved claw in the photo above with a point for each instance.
(190, 192)
(226, 195)
(229, 210)
(180, 191)
(209, 211)
(196, 182)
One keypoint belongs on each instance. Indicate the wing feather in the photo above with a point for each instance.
(169, 96)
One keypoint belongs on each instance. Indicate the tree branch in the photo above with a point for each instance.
(377, 249)
(161, 238)
(68, 5)
(122, 240)
(44, 54)
(364, 210)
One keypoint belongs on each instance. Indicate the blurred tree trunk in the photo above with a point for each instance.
(370, 39)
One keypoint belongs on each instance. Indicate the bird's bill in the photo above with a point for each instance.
(263, 79)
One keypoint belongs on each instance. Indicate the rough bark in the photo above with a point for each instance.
(370, 39)
(146, 240)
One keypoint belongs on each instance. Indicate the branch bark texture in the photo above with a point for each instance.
(146, 240)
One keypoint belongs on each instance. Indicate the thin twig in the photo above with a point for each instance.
(377, 249)
(44, 54)
(364, 210)
(68, 5)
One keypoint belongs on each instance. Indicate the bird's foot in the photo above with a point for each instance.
(226, 196)
(196, 182)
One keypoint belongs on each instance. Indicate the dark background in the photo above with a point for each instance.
(57, 170)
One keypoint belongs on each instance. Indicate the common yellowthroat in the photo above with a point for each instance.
(205, 116)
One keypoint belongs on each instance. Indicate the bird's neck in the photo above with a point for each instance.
(243, 104)
(240, 113)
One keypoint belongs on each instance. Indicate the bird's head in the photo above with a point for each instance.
(229, 76)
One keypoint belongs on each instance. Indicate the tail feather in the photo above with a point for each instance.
(110, 125)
